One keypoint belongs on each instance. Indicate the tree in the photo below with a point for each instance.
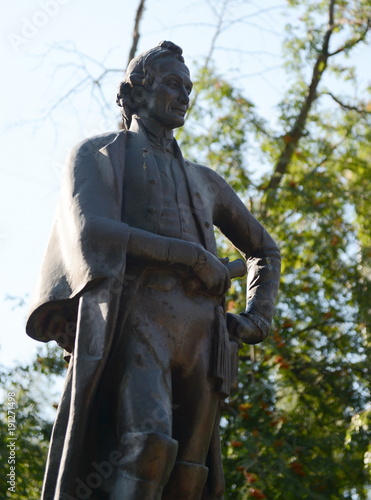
(300, 420)
(299, 424)
(28, 403)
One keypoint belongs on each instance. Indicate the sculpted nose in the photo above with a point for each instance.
(183, 96)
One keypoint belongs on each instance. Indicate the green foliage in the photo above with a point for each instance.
(220, 131)
(28, 395)
(299, 424)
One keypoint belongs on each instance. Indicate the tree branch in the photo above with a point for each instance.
(351, 43)
(294, 135)
(89, 78)
(219, 29)
(136, 33)
(362, 111)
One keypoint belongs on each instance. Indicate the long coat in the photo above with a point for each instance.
(83, 284)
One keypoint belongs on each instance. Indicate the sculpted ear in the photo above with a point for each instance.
(138, 94)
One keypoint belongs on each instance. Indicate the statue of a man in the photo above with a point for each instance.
(133, 289)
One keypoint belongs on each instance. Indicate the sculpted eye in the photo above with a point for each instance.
(174, 84)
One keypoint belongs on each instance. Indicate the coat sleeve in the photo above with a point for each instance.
(88, 241)
(262, 255)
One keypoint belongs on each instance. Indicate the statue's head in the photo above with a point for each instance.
(156, 86)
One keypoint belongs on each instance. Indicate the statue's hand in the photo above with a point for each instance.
(244, 329)
(212, 273)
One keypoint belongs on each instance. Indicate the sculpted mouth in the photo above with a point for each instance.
(181, 111)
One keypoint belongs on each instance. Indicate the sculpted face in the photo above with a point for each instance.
(167, 101)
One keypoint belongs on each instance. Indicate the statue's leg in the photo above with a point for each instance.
(195, 406)
(143, 413)
(165, 389)
(145, 467)
(187, 481)
(195, 401)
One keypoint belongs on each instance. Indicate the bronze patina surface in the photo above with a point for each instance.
(133, 288)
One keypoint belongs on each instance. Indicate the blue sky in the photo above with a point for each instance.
(37, 71)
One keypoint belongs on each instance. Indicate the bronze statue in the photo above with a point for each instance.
(133, 289)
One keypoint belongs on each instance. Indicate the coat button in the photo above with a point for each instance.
(151, 210)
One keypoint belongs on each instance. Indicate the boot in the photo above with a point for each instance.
(145, 467)
(186, 481)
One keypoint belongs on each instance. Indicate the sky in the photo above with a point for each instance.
(47, 47)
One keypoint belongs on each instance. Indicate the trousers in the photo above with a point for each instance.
(160, 378)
